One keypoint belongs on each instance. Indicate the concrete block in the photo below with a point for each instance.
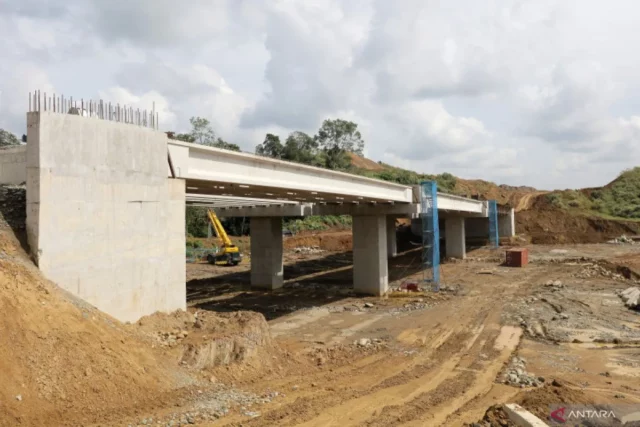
(521, 417)
(370, 269)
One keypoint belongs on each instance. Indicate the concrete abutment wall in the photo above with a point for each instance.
(103, 220)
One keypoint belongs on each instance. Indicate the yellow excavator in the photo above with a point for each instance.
(229, 254)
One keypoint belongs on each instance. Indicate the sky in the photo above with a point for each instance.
(540, 93)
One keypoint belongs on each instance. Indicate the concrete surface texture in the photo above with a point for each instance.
(13, 165)
(370, 268)
(455, 237)
(266, 253)
(103, 220)
(392, 238)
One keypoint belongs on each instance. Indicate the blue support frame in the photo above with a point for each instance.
(494, 239)
(430, 233)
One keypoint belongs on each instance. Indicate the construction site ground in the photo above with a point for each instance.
(315, 354)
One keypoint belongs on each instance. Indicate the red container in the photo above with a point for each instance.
(517, 257)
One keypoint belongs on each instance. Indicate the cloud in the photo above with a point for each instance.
(534, 93)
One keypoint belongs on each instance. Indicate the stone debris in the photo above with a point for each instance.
(555, 285)
(595, 270)
(368, 342)
(631, 297)
(19, 398)
(516, 375)
(171, 338)
(308, 250)
(622, 240)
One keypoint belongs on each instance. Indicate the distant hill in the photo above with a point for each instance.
(567, 216)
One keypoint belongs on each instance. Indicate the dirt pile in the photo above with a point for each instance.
(553, 226)
(339, 241)
(538, 402)
(205, 339)
(62, 362)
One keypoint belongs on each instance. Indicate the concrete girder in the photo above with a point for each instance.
(244, 172)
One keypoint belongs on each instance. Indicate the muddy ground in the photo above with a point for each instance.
(438, 358)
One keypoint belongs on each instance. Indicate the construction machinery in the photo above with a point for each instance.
(228, 254)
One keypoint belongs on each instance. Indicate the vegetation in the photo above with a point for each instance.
(202, 133)
(296, 225)
(8, 139)
(619, 199)
(446, 182)
(329, 148)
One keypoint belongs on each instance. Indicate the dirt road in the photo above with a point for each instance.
(438, 359)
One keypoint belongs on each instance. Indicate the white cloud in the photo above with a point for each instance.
(539, 93)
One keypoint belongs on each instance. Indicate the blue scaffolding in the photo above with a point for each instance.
(494, 240)
(430, 233)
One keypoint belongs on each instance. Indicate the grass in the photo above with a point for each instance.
(618, 200)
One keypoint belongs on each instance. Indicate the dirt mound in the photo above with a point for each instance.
(62, 362)
(548, 226)
(339, 241)
(364, 163)
(204, 339)
(539, 401)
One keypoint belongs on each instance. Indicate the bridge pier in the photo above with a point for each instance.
(392, 239)
(370, 269)
(455, 237)
(266, 253)
(507, 224)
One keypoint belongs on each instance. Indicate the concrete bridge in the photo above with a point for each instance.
(106, 217)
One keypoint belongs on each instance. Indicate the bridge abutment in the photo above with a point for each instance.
(392, 238)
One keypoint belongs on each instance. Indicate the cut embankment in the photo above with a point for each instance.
(62, 362)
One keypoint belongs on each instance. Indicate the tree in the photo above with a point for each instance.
(221, 143)
(8, 139)
(202, 132)
(271, 147)
(341, 135)
(300, 147)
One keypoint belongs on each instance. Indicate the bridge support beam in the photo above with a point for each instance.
(370, 269)
(266, 253)
(392, 239)
(455, 237)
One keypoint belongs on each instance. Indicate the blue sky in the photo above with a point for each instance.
(540, 93)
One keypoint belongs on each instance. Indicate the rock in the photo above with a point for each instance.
(363, 342)
(557, 283)
(564, 316)
(295, 387)
(541, 379)
(213, 379)
(368, 305)
(619, 396)
(19, 398)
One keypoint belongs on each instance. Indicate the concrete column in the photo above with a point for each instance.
(370, 270)
(392, 240)
(507, 224)
(455, 237)
(266, 253)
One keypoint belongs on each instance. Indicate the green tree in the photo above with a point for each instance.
(341, 135)
(271, 147)
(221, 143)
(8, 139)
(302, 148)
(202, 132)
